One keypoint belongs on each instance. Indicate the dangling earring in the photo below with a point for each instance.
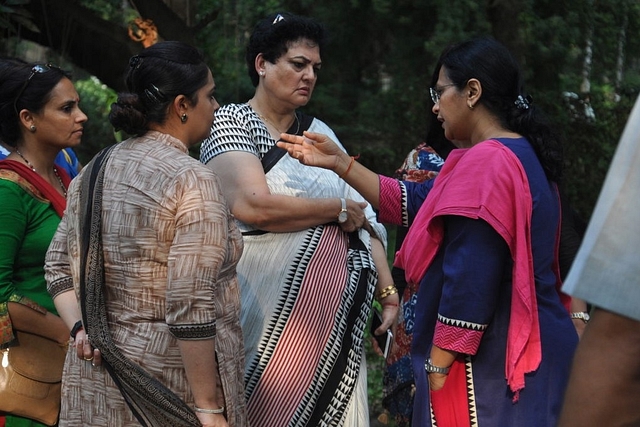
(32, 128)
(183, 118)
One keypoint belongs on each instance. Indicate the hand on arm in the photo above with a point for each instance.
(315, 149)
(356, 217)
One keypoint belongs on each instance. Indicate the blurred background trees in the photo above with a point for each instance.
(582, 66)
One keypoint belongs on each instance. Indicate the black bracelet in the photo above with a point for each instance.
(76, 328)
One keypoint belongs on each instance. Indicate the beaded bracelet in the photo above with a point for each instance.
(209, 411)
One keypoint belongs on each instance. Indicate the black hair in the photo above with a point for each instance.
(491, 63)
(273, 35)
(24, 86)
(154, 78)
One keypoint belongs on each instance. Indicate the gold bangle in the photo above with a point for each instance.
(209, 411)
(390, 288)
(388, 294)
(388, 291)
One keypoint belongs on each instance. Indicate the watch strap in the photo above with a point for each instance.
(581, 315)
(76, 328)
(432, 369)
(342, 215)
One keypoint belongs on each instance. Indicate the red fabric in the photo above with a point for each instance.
(488, 182)
(449, 406)
(48, 192)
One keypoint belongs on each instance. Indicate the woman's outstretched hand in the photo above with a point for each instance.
(315, 149)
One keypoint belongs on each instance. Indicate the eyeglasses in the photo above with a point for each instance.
(436, 93)
(36, 69)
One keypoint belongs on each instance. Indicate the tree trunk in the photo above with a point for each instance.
(622, 39)
(585, 86)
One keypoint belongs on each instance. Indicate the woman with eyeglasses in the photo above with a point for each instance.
(493, 339)
(144, 262)
(310, 269)
(39, 116)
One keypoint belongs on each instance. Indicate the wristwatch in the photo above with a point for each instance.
(76, 328)
(432, 369)
(342, 216)
(582, 315)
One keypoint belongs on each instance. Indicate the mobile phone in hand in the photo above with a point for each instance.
(384, 341)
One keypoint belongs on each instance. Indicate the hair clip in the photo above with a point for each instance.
(135, 62)
(154, 94)
(277, 19)
(523, 102)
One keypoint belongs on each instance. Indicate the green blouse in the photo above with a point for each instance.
(27, 225)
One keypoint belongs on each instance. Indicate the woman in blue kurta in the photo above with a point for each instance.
(493, 339)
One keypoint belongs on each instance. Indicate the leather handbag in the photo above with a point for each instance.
(31, 378)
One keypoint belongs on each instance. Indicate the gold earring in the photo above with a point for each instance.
(470, 107)
(184, 117)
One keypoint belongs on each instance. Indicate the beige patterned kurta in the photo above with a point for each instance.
(170, 250)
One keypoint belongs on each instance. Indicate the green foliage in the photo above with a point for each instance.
(589, 148)
(96, 100)
(373, 87)
(111, 10)
(13, 15)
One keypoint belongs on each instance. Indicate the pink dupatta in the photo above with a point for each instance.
(502, 198)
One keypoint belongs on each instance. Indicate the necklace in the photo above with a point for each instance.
(55, 171)
(264, 119)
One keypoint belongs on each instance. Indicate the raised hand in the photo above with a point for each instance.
(315, 149)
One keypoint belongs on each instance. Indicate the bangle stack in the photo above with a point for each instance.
(209, 411)
(388, 291)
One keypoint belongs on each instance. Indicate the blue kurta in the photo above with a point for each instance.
(470, 280)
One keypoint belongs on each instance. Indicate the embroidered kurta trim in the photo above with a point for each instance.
(60, 286)
(193, 332)
(458, 335)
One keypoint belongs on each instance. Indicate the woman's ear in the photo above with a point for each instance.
(26, 118)
(474, 92)
(180, 105)
(260, 64)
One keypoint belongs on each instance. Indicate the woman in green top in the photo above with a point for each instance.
(39, 116)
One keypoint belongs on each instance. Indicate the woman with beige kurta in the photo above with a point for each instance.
(144, 261)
